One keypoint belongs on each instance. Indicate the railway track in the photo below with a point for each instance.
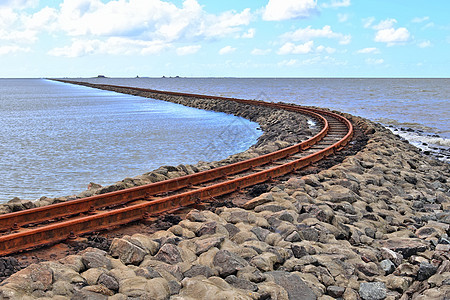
(35, 227)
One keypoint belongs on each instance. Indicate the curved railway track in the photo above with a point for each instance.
(35, 227)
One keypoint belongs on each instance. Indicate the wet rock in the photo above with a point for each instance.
(372, 290)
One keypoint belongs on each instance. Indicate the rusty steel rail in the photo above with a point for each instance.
(27, 239)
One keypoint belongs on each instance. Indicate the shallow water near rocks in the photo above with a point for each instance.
(55, 138)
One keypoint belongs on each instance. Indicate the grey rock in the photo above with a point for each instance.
(174, 287)
(260, 233)
(241, 283)
(169, 253)
(426, 270)
(197, 270)
(108, 281)
(299, 251)
(126, 251)
(228, 263)
(387, 266)
(335, 291)
(308, 233)
(372, 290)
(96, 259)
(232, 229)
(293, 284)
(207, 228)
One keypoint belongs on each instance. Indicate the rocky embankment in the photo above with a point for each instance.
(375, 226)
(280, 129)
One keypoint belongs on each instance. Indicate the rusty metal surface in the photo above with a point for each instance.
(29, 238)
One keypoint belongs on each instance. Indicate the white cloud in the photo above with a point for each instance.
(114, 45)
(424, 44)
(290, 48)
(148, 26)
(249, 34)
(226, 50)
(420, 19)
(374, 61)
(385, 24)
(367, 22)
(145, 20)
(337, 3)
(392, 36)
(279, 10)
(257, 51)
(288, 63)
(328, 50)
(386, 33)
(343, 18)
(12, 49)
(368, 50)
(188, 50)
(308, 33)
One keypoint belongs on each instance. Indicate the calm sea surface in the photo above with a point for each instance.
(421, 106)
(56, 138)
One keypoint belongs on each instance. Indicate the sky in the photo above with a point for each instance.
(232, 38)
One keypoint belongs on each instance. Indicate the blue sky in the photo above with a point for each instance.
(256, 38)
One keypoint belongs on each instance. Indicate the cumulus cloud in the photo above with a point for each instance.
(291, 48)
(226, 50)
(279, 10)
(308, 33)
(368, 50)
(392, 36)
(114, 45)
(188, 49)
(386, 33)
(144, 24)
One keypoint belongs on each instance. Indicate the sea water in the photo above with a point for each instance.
(56, 138)
(416, 109)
